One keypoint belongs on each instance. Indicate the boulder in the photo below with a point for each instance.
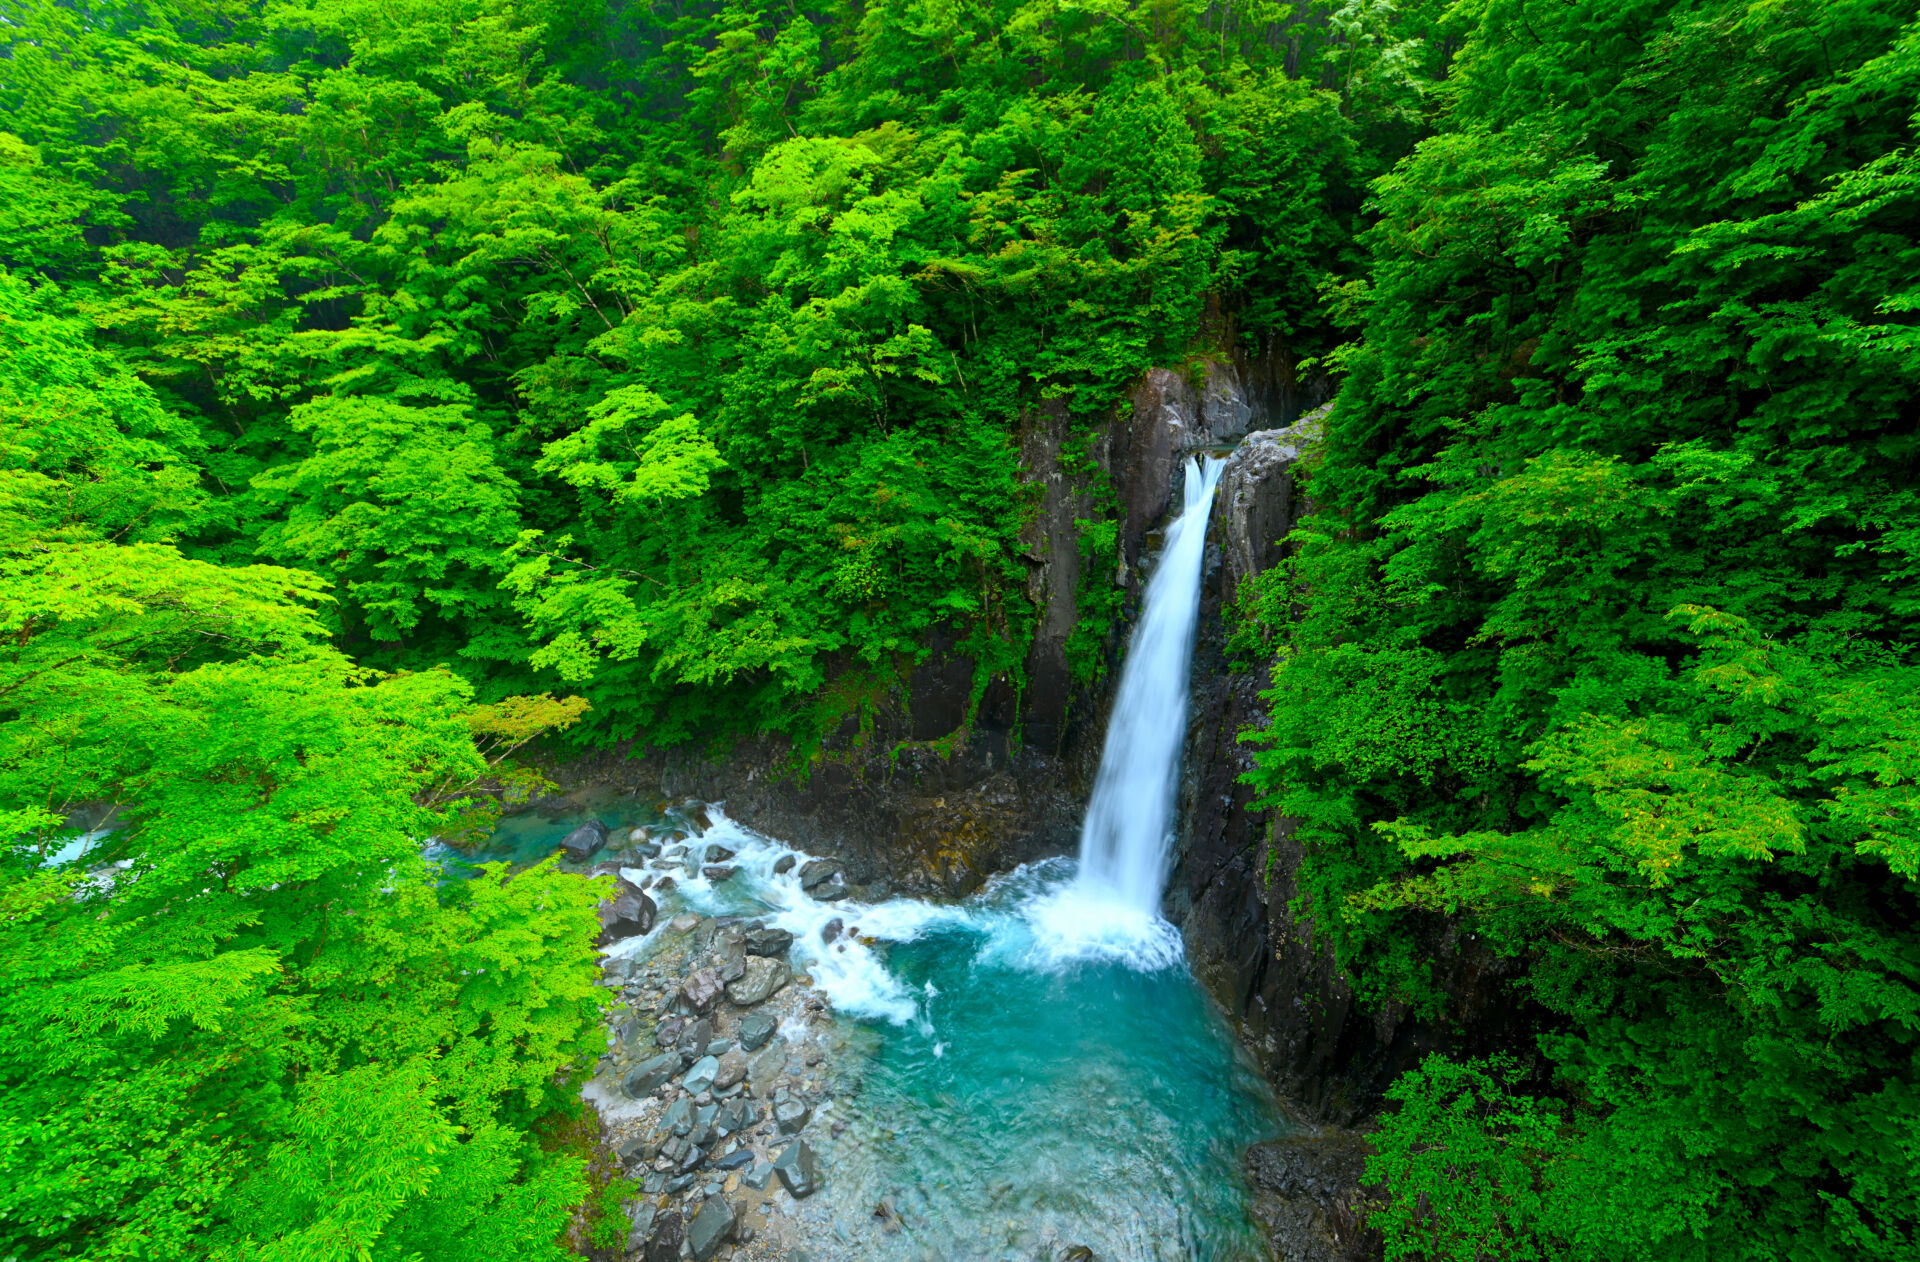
(711, 1227)
(831, 930)
(783, 864)
(700, 1077)
(647, 1075)
(580, 844)
(679, 1116)
(829, 891)
(685, 921)
(640, 1226)
(702, 991)
(769, 942)
(733, 1067)
(729, 953)
(718, 854)
(628, 913)
(759, 1176)
(762, 979)
(737, 1115)
(669, 1233)
(755, 1029)
(667, 1034)
(718, 871)
(817, 872)
(799, 1171)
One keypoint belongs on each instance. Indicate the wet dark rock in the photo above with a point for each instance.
(755, 1029)
(627, 914)
(662, 885)
(679, 1117)
(703, 932)
(634, 1150)
(1309, 1197)
(702, 991)
(738, 1115)
(667, 1033)
(712, 1227)
(736, 1160)
(817, 872)
(647, 1075)
(830, 892)
(718, 872)
(581, 844)
(831, 930)
(769, 942)
(640, 1227)
(759, 1176)
(798, 1169)
(669, 1233)
(783, 864)
(1077, 1253)
(719, 854)
(762, 979)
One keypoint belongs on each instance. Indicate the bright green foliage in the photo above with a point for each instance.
(266, 1030)
(1610, 627)
(678, 356)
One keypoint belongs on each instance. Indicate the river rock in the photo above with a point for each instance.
(831, 930)
(737, 1115)
(640, 1226)
(735, 1160)
(667, 1033)
(766, 1065)
(698, 818)
(729, 953)
(792, 1116)
(703, 933)
(710, 1228)
(693, 1040)
(719, 871)
(582, 842)
(669, 1233)
(829, 892)
(627, 913)
(718, 854)
(700, 1077)
(783, 864)
(769, 942)
(638, 836)
(817, 872)
(684, 921)
(1077, 1253)
(733, 1067)
(679, 1117)
(702, 991)
(755, 1029)
(758, 1177)
(647, 1075)
(798, 1170)
(763, 979)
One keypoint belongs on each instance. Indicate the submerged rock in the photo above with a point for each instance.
(799, 1171)
(711, 1228)
(582, 842)
(762, 979)
(755, 1029)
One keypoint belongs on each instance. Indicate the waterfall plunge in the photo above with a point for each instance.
(1129, 825)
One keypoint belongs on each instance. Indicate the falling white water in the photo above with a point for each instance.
(1129, 826)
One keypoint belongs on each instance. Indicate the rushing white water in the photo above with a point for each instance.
(1125, 839)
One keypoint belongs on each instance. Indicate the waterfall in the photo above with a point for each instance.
(1125, 838)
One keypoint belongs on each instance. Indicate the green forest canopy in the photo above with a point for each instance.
(366, 366)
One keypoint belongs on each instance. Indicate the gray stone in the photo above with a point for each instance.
(792, 1115)
(667, 1033)
(719, 1047)
(648, 1074)
(831, 930)
(639, 836)
(634, 1150)
(718, 872)
(738, 1115)
(729, 953)
(1256, 507)
(700, 1077)
(757, 1177)
(710, 1228)
(766, 1065)
(798, 1170)
(693, 1040)
(830, 892)
(763, 979)
(669, 1233)
(642, 1227)
(628, 913)
(703, 933)
(718, 854)
(683, 922)
(783, 864)
(817, 872)
(582, 842)
(755, 1029)
(733, 1067)
(772, 943)
(735, 1160)
(702, 991)
(679, 1116)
